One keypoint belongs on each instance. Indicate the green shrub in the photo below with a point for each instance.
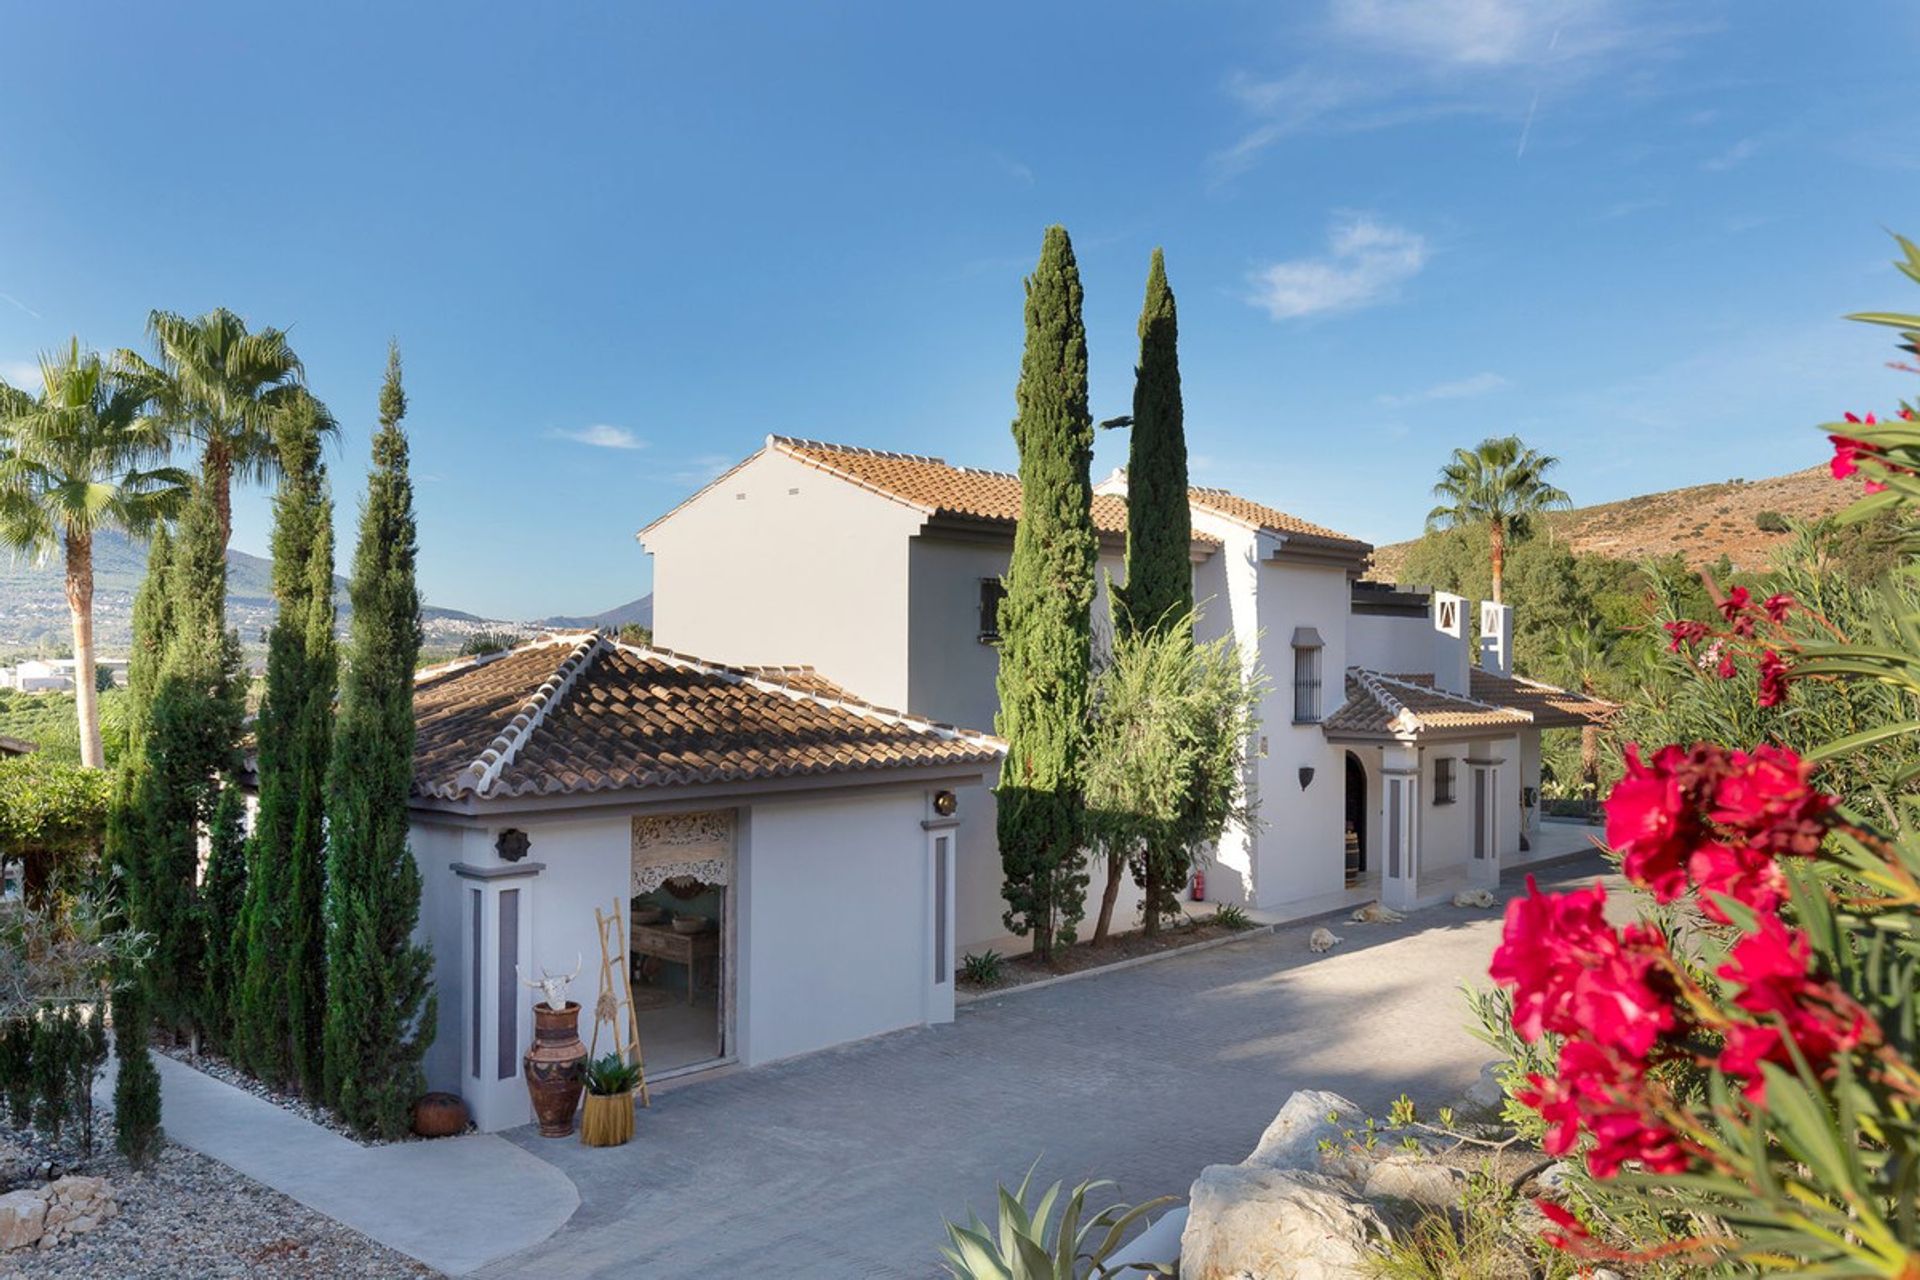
(1771, 522)
(983, 968)
(1026, 1243)
(1231, 915)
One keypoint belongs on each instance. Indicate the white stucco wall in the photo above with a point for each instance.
(1299, 849)
(832, 927)
(782, 563)
(834, 943)
(1398, 646)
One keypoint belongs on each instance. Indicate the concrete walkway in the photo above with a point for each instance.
(456, 1204)
(843, 1163)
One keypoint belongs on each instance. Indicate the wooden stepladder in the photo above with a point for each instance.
(616, 995)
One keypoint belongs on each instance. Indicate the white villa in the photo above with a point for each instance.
(801, 852)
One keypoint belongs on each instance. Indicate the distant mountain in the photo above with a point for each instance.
(640, 611)
(33, 601)
(1702, 522)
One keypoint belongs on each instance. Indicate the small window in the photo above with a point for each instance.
(992, 592)
(1306, 685)
(1443, 780)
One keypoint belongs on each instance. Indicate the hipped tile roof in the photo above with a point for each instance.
(583, 714)
(1409, 706)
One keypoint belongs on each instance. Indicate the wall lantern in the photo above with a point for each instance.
(945, 802)
(512, 844)
(1306, 775)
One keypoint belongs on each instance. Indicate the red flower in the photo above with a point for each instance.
(1685, 631)
(1771, 967)
(1741, 872)
(1738, 601)
(1727, 669)
(1574, 975)
(1595, 1092)
(1778, 606)
(1768, 796)
(1652, 822)
(1571, 1234)
(1773, 679)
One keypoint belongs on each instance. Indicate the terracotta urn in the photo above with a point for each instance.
(553, 1067)
(439, 1115)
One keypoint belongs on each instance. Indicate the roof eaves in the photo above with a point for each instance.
(701, 492)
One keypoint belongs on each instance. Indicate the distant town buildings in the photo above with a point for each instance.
(54, 675)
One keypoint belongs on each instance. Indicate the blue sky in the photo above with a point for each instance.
(620, 244)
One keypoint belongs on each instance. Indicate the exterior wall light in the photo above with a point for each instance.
(1306, 775)
(512, 844)
(945, 802)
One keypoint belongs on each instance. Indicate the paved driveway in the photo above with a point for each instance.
(843, 1163)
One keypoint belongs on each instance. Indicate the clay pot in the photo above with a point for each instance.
(439, 1115)
(553, 1067)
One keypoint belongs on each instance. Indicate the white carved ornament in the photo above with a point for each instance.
(696, 846)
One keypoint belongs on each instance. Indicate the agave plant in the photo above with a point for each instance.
(1027, 1244)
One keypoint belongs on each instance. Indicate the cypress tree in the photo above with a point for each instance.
(189, 745)
(222, 890)
(380, 1008)
(282, 989)
(136, 1087)
(1159, 593)
(1046, 623)
(1159, 590)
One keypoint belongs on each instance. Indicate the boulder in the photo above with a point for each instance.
(23, 1218)
(1309, 1116)
(1416, 1181)
(1484, 1097)
(1258, 1220)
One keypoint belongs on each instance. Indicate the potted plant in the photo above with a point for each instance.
(608, 1120)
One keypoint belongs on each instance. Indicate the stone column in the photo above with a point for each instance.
(1484, 797)
(1400, 826)
(496, 936)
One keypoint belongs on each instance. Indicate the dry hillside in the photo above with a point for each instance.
(1701, 522)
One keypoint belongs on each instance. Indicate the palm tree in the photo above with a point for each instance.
(1582, 658)
(70, 467)
(1501, 484)
(223, 387)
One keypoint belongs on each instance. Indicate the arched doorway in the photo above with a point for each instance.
(1356, 818)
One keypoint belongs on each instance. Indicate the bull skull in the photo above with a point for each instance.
(554, 985)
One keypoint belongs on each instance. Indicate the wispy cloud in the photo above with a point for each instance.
(702, 469)
(1381, 63)
(1365, 262)
(600, 436)
(1019, 171)
(24, 374)
(1734, 156)
(11, 300)
(1468, 388)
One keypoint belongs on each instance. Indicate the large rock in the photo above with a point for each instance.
(1257, 1220)
(1310, 1117)
(1417, 1181)
(23, 1219)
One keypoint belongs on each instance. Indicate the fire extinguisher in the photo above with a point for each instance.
(1199, 886)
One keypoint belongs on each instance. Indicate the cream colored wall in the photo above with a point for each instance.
(782, 563)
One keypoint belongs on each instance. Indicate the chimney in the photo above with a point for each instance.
(1451, 659)
(1496, 638)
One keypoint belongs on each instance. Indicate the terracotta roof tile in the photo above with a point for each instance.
(1257, 515)
(579, 714)
(936, 485)
(1552, 708)
(1409, 706)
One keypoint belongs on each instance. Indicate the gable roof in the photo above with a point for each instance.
(1410, 707)
(581, 714)
(935, 485)
(1256, 515)
(937, 488)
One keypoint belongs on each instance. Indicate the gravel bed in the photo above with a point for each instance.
(190, 1217)
(220, 1069)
